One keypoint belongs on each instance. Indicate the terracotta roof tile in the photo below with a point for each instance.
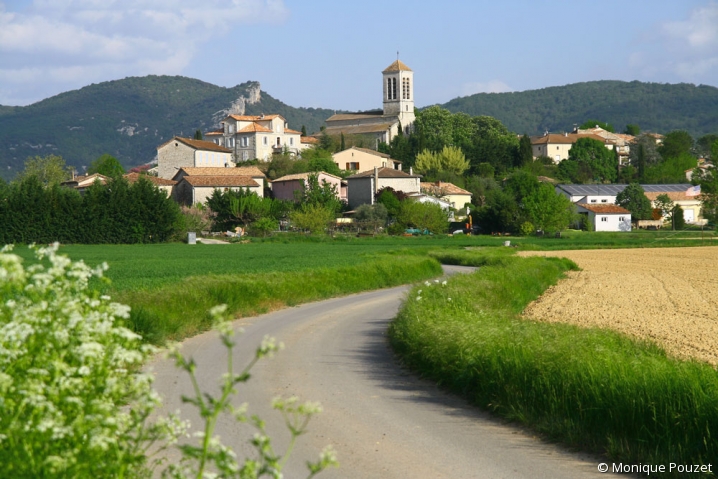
(605, 209)
(220, 181)
(673, 195)
(397, 66)
(303, 176)
(292, 132)
(134, 177)
(255, 128)
(555, 138)
(309, 140)
(254, 117)
(443, 188)
(198, 144)
(219, 171)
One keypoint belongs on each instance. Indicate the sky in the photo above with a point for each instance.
(330, 53)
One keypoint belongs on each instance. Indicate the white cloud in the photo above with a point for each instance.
(685, 49)
(493, 86)
(69, 43)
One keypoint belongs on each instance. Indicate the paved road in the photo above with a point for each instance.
(383, 421)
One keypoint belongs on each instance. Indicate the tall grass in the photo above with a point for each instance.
(180, 310)
(591, 389)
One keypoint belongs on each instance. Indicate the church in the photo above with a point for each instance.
(382, 125)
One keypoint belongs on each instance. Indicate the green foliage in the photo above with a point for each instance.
(50, 170)
(633, 130)
(391, 200)
(312, 217)
(493, 144)
(704, 145)
(469, 336)
(656, 107)
(198, 135)
(634, 199)
(325, 164)
(449, 159)
(414, 214)
(112, 213)
(589, 160)
(678, 221)
(548, 210)
(263, 226)
(595, 123)
(479, 186)
(671, 170)
(68, 371)
(242, 207)
(371, 216)
(316, 194)
(106, 165)
(525, 152)
(675, 144)
(664, 203)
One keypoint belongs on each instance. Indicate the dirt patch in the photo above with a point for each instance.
(668, 295)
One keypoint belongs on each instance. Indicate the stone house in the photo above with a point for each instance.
(185, 152)
(250, 137)
(191, 190)
(362, 187)
(250, 171)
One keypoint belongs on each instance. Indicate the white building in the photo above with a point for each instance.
(250, 137)
(606, 217)
(363, 187)
(382, 125)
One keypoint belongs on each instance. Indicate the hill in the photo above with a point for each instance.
(655, 107)
(129, 118)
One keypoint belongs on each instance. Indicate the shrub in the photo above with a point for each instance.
(67, 368)
(314, 218)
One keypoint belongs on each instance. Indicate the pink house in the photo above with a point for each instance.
(283, 188)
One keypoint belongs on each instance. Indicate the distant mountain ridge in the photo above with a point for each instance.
(655, 107)
(129, 118)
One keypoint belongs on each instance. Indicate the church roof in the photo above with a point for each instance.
(358, 130)
(197, 144)
(397, 66)
(356, 116)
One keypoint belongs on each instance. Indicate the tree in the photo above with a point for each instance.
(429, 216)
(643, 153)
(371, 216)
(450, 159)
(525, 152)
(548, 210)
(391, 200)
(589, 160)
(304, 130)
(314, 218)
(106, 165)
(670, 170)
(634, 199)
(678, 221)
(49, 170)
(314, 193)
(588, 124)
(676, 143)
(632, 130)
(714, 152)
(708, 181)
(665, 204)
(325, 164)
(198, 135)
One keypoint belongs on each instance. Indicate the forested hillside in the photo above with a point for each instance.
(128, 119)
(654, 107)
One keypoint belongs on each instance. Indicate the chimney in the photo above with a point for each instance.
(411, 170)
(376, 179)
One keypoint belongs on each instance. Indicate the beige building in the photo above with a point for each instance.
(382, 125)
(557, 146)
(185, 152)
(250, 137)
(362, 187)
(284, 188)
(363, 159)
(191, 190)
(691, 205)
(81, 183)
(449, 192)
(250, 171)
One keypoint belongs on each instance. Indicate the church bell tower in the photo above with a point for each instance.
(399, 93)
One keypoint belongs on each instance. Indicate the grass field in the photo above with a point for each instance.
(593, 389)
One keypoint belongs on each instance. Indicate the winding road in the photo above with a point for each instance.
(383, 421)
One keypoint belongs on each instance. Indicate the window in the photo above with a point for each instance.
(621, 219)
(593, 201)
(557, 147)
(265, 141)
(604, 218)
(244, 141)
(245, 155)
(604, 201)
(352, 165)
(291, 141)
